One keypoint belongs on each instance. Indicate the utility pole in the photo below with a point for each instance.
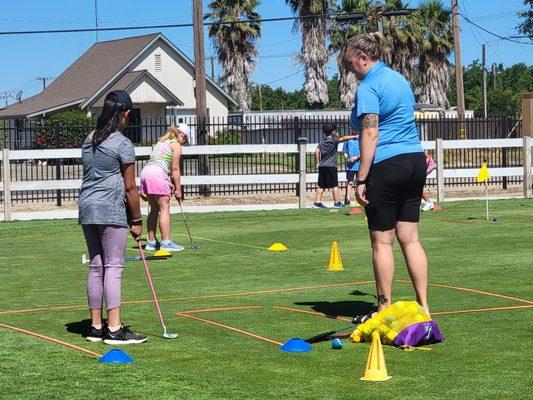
(200, 87)
(494, 76)
(379, 8)
(260, 99)
(212, 59)
(484, 66)
(6, 95)
(458, 69)
(44, 79)
(96, 18)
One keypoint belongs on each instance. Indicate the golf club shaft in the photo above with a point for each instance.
(186, 225)
(148, 275)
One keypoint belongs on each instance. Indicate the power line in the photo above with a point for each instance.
(492, 33)
(184, 25)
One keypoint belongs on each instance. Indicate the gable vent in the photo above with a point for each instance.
(158, 62)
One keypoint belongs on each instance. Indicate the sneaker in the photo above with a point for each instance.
(428, 205)
(319, 205)
(95, 335)
(123, 336)
(340, 204)
(152, 245)
(169, 245)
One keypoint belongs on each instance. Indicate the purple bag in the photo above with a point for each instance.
(419, 334)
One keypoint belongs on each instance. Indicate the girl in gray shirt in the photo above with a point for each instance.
(108, 195)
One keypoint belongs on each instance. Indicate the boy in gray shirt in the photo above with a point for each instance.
(326, 160)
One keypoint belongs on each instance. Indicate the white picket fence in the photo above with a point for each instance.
(302, 178)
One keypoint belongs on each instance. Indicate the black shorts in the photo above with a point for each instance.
(350, 176)
(394, 190)
(327, 177)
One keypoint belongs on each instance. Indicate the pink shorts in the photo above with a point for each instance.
(154, 181)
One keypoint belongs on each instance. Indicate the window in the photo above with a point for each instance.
(158, 62)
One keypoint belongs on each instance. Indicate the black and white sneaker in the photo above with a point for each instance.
(123, 336)
(95, 335)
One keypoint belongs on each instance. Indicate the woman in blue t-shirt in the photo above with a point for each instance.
(392, 168)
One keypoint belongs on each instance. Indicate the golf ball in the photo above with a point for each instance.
(336, 344)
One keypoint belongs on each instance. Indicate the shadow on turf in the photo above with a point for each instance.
(340, 308)
(79, 327)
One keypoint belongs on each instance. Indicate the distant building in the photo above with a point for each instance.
(157, 75)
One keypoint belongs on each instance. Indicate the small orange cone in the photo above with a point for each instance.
(355, 211)
(335, 262)
(376, 370)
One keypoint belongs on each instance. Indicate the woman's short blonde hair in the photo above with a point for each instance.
(371, 44)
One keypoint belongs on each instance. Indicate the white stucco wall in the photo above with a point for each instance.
(177, 75)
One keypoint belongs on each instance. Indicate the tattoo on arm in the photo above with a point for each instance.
(382, 299)
(369, 121)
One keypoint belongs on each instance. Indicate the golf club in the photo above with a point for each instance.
(334, 334)
(148, 275)
(193, 245)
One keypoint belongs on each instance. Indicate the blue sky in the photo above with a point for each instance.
(25, 57)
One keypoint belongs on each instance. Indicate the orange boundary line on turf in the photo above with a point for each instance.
(57, 341)
(501, 296)
(479, 310)
(211, 296)
(221, 309)
(318, 314)
(231, 328)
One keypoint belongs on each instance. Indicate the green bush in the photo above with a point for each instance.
(3, 132)
(226, 137)
(72, 127)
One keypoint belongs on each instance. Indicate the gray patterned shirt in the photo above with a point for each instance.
(102, 191)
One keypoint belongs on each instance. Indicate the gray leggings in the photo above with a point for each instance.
(106, 245)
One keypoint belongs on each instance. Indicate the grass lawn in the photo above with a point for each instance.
(486, 354)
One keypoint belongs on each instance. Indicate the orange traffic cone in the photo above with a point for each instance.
(335, 262)
(376, 370)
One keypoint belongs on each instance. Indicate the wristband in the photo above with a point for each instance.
(361, 181)
(136, 222)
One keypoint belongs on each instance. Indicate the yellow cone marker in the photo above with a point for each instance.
(376, 370)
(277, 247)
(335, 262)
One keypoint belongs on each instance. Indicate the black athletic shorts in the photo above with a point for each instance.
(327, 177)
(350, 176)
(394, 190)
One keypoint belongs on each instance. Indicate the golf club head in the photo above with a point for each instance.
(194, 246)
(170, 335)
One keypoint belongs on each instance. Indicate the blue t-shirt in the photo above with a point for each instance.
(388, 94)
(351, 147)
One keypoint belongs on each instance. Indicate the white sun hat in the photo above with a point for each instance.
(186, 129)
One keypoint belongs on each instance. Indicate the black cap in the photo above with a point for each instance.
(328, 129)
(123, 100)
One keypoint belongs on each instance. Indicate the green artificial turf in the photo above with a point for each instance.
(484, 355)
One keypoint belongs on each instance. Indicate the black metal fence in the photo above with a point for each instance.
(18, 135)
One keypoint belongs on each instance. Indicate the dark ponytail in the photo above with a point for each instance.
(108, 121)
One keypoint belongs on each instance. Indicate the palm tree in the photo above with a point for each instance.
(314, 54)
(235, 45)
(339, 34)
(403, 36)
(436, 44)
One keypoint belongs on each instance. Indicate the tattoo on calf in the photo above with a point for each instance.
(382, 299)
(369, 121)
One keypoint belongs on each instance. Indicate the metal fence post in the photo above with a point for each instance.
(440, 169)
(302, 171)
(57, 132)
(528, 179)
(6, 181)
